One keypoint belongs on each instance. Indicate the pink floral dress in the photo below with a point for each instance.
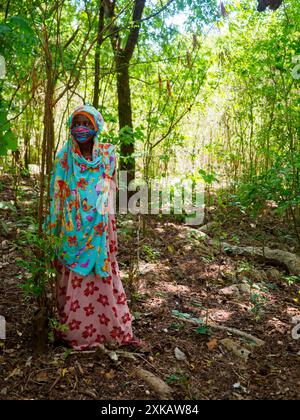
(94, 308)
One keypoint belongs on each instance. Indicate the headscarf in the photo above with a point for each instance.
(79, 200)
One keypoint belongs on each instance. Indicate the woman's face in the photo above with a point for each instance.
(82, 120)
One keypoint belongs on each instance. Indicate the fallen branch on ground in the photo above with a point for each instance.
(231, 330)
(273, 256)
(101, 349)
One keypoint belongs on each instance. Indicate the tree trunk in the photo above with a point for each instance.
(127, 161)
(47, 147)
(97, 56)
(122, 60)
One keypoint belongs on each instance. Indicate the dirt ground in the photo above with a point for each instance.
(180, 277)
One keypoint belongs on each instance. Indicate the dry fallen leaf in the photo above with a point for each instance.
(110, 374)
(42, 376)
(212, 344)
(170, 248)
(179, 354)
(28, 361)
(236, 348)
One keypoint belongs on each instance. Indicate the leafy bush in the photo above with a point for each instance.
(280, 184)
(39, 252)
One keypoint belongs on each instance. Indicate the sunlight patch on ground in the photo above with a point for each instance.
(278, 326)
(217, 315)
(291, 310)
(174, 288)
(154, 302)
(146, 267)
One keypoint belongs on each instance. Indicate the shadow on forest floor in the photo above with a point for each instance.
(178, 276)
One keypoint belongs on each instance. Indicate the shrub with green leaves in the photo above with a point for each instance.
(38, 254)
(281, 184)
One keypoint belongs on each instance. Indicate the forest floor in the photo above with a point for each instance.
(177, 272)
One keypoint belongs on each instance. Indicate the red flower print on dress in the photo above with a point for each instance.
(100, 339)
(126, 318)
(89, 331)
(73, 343)
(99, 229)
(107, 279)
(115, 311)
(72, 241)
(72, 204)
(103, 319)
(64, 161)
(113, 222)
(121, 299)
(68, 298)
(89, 310)
(82, 183)
(76, 282)
(74, 325)
(85, 205)
(90, 288)
(114, 267)
(63, 189)
(74, 306)
(81, 166)
(116, 291)
(116, 332)
(103, 299)
(112, 247)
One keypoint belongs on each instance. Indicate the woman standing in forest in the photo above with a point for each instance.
(90, 297)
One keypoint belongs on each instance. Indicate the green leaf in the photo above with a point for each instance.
(4, 29)
(12, 141)
(204, 329)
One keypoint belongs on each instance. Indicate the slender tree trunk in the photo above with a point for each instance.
(127, 161)
(49, 125)
(7, 9)
(122, 60)
(48, 144)
(97, 56)
(26, 147)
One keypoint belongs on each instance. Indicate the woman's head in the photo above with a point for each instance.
(85, 122)
(83, 119)
(83, 128)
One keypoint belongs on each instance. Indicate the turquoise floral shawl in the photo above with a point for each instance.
(79, 210)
